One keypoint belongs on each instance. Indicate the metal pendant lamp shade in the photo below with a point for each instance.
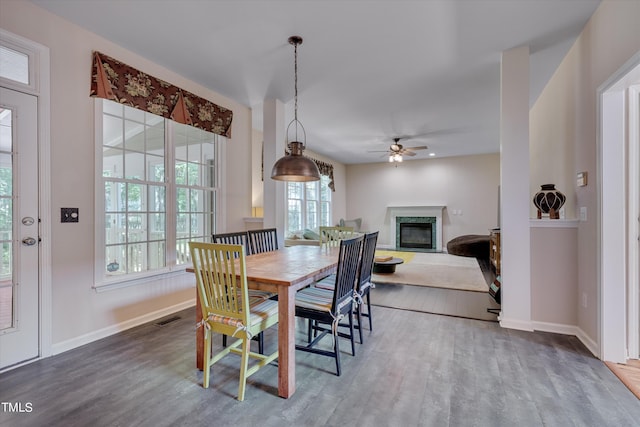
(294, 166)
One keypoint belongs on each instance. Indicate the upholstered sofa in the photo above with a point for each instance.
(311, 238)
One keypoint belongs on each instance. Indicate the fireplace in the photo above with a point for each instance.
(420, 220)
(416, 236)
(416, 232)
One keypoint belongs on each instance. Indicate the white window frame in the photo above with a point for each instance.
(323, 181)
(33, 60)
(101, 280)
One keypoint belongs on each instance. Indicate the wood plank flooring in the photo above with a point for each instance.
(414, 369)
(628, 373)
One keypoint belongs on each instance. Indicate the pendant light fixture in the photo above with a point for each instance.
(294, 166)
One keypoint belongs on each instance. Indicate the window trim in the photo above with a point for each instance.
(101, 281)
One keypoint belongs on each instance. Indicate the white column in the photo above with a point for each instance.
(274, 144)
(514, 187)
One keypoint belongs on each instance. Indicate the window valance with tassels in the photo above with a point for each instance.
(111, 79)
(326, 169)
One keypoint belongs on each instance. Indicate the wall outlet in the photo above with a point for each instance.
(583, 213)
(584, 300)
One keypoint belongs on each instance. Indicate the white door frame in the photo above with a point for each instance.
(633, 235)
(39, 86)
(612, 220)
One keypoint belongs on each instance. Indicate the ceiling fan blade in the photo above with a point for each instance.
(408, 153)
(421, 147)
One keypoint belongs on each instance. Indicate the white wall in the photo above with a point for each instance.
(468, 184)
(79, 314)
(563, 129)
(554, 273)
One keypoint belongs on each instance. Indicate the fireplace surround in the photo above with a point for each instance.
(411, 216)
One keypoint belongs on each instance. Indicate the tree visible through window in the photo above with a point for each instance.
(160, 185)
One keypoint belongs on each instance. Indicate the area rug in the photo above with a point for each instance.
(434, 270)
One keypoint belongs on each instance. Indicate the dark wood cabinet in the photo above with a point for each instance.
(494, 249)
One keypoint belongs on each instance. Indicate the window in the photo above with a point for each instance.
(157, 191)
(15, 65)
(308, 205)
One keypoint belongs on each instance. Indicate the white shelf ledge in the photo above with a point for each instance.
(553, 223)
(253, 219)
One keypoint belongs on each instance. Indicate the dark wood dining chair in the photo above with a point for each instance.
(234, 238)
(363, 283)
(264, 240)
(324, 309)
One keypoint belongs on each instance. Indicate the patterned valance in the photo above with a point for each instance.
(326, 169)
(111, 79)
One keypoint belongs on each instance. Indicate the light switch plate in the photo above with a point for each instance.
(69, 215)
(583, 213)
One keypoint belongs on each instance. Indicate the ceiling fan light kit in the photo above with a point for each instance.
(395, 158)
(396, 151)
(294, 166)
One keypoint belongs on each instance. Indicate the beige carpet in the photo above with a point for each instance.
(436, 270)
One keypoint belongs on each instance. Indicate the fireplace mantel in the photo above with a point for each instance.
(434, 210)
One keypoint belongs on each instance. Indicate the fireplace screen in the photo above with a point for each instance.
(416, 235)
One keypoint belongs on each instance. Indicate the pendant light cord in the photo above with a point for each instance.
(295, 87)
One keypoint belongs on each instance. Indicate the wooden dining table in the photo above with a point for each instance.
(284, 271)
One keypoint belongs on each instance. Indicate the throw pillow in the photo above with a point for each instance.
(310, 235)
(355, 223)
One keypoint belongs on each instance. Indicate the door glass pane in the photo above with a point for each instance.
(7, 291)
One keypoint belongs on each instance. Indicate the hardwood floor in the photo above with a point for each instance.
(414, 369)
(450, 302)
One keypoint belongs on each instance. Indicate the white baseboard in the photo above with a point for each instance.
(573, 330)
(556, 328)
(386, 247)
(588, 342)
(515, 324)
(87, 338)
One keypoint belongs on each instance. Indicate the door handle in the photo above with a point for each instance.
(29, 241)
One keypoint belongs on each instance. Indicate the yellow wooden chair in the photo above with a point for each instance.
(331, 236)
(221, 279)
(242, 238)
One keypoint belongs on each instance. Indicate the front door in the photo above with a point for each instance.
(19, 228)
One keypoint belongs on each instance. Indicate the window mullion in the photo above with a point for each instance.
(170, 194)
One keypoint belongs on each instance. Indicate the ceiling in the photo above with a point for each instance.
(368, 71)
